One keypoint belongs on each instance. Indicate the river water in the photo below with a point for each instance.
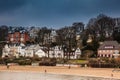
(4, 75)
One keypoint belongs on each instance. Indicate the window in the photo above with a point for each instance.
(103, 50)
(22, 35)
(100, 51)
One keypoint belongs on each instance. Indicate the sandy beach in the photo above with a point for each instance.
(94, 72)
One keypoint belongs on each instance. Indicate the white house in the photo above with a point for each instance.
(17, 50)
(21, 49)
(32, 50)
(56, 52)
(77, 53)
(11, 50)
(40, 53)
(6, 51)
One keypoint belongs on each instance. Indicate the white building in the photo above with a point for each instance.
(40, 53)
(32, 50)
(12, 50)
(77, 53)
(6, 51)
(56, 52)
(22, 50)
(17, 50)
(33, 32)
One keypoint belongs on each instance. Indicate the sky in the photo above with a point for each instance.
(54, 13)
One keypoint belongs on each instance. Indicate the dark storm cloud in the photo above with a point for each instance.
(55, 12)
(8, 5)
(61, 6)
(73, 7)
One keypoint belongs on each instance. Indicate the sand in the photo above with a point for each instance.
(94, 72)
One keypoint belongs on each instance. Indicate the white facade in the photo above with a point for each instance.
(74, 55)
(6, 51)
(56, 52)
(11, 50)
(22, 50)
(32, 50)
(40, 53)
(77, 53)
(33, 32)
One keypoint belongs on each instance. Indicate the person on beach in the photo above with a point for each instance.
(69, 67)
(8, 66)
(111, 75)
(45, 70)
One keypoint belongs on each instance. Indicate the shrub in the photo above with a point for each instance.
(104, 63)
(48, 62)
(24, 62)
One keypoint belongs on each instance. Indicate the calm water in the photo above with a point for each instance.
(43, 76)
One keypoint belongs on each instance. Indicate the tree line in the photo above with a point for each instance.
(98, 29)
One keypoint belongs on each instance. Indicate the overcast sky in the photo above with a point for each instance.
(54, 13)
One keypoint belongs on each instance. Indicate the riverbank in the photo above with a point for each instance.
(94, 72)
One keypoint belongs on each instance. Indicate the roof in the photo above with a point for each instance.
(109, 45)
(33, 47)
